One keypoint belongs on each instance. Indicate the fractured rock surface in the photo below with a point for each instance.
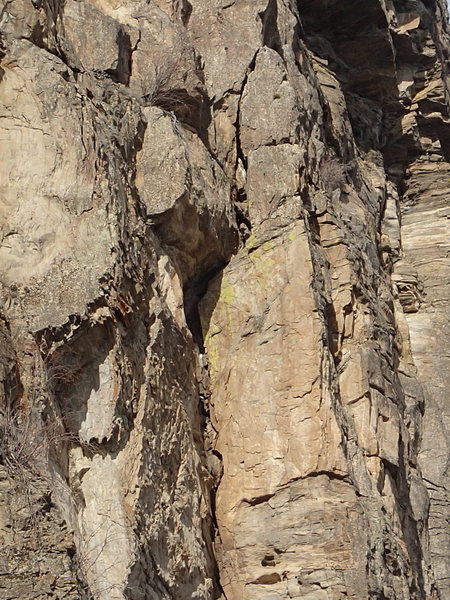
(224, 300)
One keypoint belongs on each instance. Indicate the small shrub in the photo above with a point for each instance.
(25, 441)
(333, 174)
(62, 368)
(166, 89)
(28, 432)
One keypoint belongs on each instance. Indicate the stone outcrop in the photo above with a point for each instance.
(225, 300)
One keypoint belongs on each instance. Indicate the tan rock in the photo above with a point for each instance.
(197, 415)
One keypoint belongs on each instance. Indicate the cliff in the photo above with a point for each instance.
(225, 239)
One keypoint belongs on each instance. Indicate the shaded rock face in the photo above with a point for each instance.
(225, 300)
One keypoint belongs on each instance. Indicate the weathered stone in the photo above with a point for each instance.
(184, 414)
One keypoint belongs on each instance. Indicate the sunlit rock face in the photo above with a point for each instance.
(224, 269)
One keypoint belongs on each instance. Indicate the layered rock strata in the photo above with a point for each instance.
(225, 300)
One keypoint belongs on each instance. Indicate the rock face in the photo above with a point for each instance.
(225, 300)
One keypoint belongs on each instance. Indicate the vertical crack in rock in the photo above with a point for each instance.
(224, 300)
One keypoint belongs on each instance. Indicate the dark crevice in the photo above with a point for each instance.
(193, 292)
(258, 499)
(243, 221)
(409, 525)
(270, 34)
(121, 74)
(185, 12)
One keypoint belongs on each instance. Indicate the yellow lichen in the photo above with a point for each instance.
(252, 242)
(227, 293)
